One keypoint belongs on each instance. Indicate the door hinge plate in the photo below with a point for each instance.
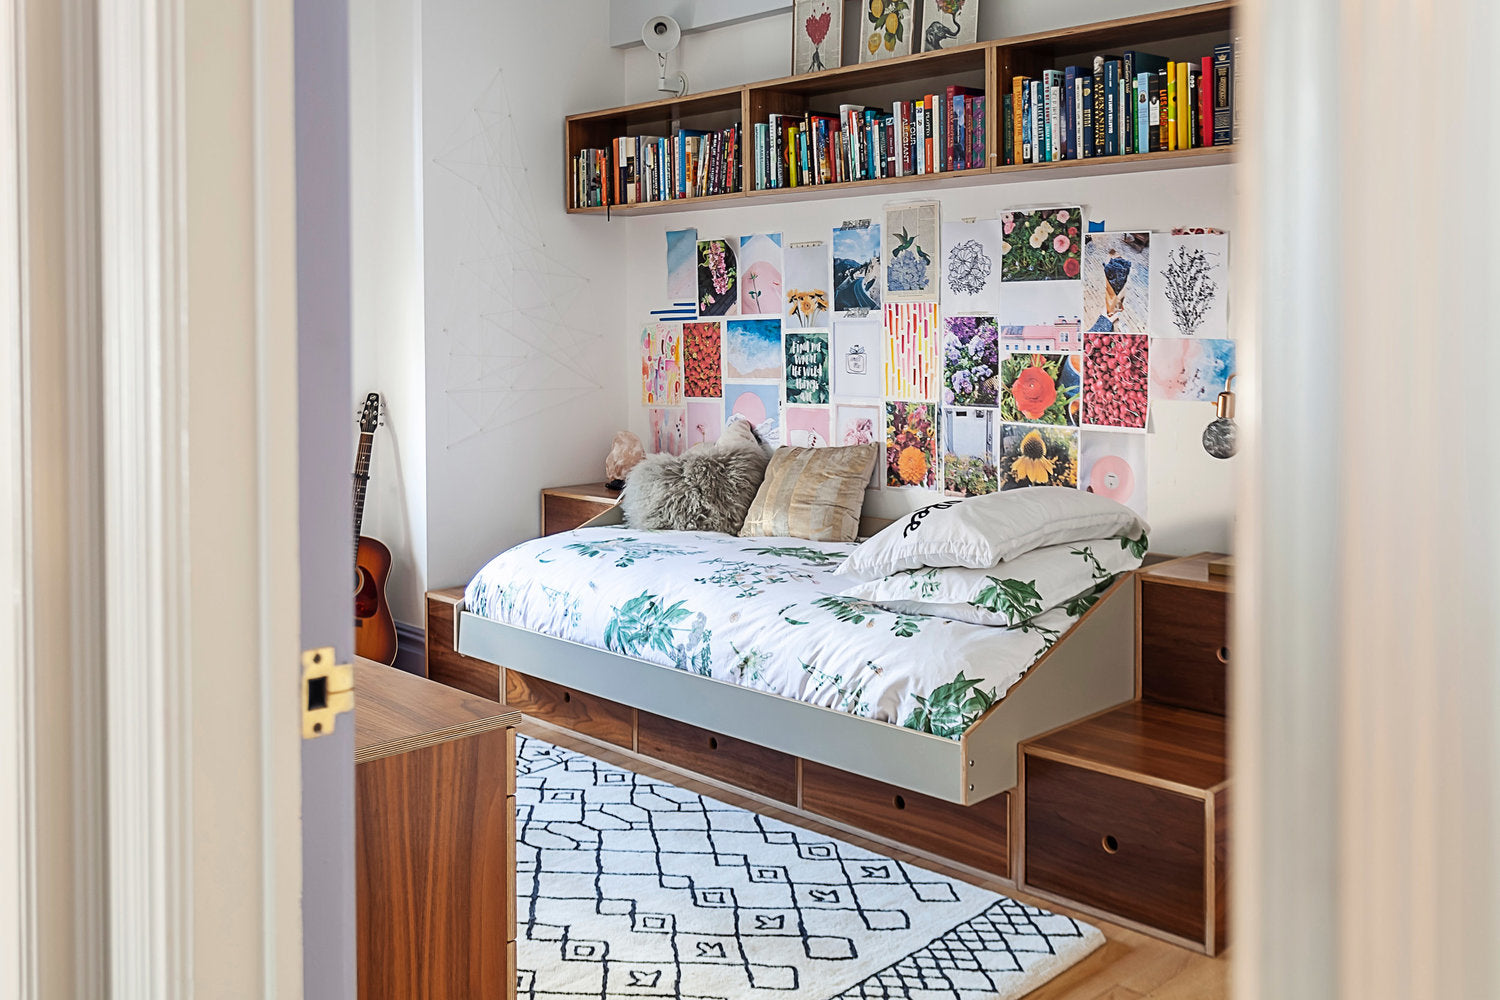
(327, 691)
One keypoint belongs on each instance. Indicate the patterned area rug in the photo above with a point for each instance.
(632, 887)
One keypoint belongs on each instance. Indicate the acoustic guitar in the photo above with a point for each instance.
(374, 629)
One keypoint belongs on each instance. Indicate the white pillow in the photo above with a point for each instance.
(983, 531)
(1071, 576)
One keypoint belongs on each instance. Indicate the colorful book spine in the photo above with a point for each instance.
(1025, 111)
(1086, 116)
(1184, 108)
(1017, 109)
(1205, 101)
(1127, 103)
(1051, 79)
(1098, 130)
(1007, 133)
(1144, 82)
(1111, 107)
(978, 130)
(1223, 95)
(1070, 112)
(1171, 107)
(1038, 121)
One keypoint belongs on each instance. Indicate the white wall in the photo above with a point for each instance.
(1190, 495)
(386, 281)
(761, 49)
(523, 302)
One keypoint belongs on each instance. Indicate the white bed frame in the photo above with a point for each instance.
(1090, 668)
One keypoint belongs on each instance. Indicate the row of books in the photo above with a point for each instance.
(1134, 103)
(644, 168)
(937, 132)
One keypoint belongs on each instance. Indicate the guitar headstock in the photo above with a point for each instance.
(369, 415)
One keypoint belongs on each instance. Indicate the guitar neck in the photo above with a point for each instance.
(361, 480)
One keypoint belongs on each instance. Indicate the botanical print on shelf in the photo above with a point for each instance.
(856, 267)
(667, 430)
(1190, 284)
(968, 439)
(1037, 456)
(661, 364)
(752, 349)
(1040, 388)
(807, 298)
(718, 278)
(1040, 339)
(1191, 370)
(806, 426)
(1116, 282)
(857, 359)
(807, 367)
(889, 31)
(911, 347)
(1041, 244)
(1116, 374)
(913, 259)
(910, 445)
(971, 266)
(817, 35)
(1114, 466)
(860, 425)
(682, 270)
(760, 275)
(971, 361)
(702, 360)
(705, 421)
(760, 404)
(947, 24)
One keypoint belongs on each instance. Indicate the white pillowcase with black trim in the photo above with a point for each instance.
(1070, 576)
(981, 532)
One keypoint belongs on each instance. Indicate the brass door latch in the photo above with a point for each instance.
(327, 691)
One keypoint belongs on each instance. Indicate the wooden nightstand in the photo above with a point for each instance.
(566, 507)
(435, 839)
(1126, 813)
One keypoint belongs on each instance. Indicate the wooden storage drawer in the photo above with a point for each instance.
(977, 835)
(753, 768)
(1123, 846)
(1184, 637)
(563, 706)
(447, 665)
(567, 513)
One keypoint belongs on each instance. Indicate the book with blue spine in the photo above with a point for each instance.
(1086, 116)
(1144, 82)
(1070, 115)
(1223, 95)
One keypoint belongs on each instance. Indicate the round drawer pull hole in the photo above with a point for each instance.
(713, 743)
(567, 696)
(900, 802)
(1110, 844)
(1223, 654)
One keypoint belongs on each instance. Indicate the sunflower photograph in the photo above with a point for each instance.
(1040, 389)
(910, 445)
(1037, 456)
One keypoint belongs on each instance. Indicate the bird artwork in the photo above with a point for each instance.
(905, 241)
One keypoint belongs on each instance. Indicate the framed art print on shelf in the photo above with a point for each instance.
(947, 24)
(888, 29)
(817, 35)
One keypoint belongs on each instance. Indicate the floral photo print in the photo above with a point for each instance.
(968, 440)
(971, 361)
(807, 288)
(718, 278)
(701, 360)
(911, 251)
(1041, 245)
(910, 445)
(1041, 389)
(1037, 456)
(1116, 373)
(1116, 282)
(860, 425)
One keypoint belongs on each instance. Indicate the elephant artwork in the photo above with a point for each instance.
(948, 24)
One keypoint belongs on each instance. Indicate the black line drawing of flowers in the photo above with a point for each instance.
(1189, 287)
(968, 268)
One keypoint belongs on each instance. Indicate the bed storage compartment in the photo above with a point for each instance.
(977, 835)
(745, 765)
(571, 709)
(1184, 646)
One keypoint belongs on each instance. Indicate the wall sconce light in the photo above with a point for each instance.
(1219, 436)
(661, 35)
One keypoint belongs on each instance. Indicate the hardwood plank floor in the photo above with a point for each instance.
(1130, 966)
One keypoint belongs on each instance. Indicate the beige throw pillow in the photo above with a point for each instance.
(813, 493)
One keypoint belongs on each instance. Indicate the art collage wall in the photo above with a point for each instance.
(994, 337)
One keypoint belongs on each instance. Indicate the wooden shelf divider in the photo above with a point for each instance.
(995, 61)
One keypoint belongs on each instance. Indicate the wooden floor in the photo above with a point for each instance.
(1129, 966)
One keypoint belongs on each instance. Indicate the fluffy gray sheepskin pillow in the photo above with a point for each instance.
(710, 488)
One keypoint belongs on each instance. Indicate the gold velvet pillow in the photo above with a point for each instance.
(814, 493)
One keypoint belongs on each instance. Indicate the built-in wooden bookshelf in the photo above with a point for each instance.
(988, 65)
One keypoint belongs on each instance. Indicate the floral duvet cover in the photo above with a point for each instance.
(763, 613)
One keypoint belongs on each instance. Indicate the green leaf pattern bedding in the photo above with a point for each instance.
(764, 613)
